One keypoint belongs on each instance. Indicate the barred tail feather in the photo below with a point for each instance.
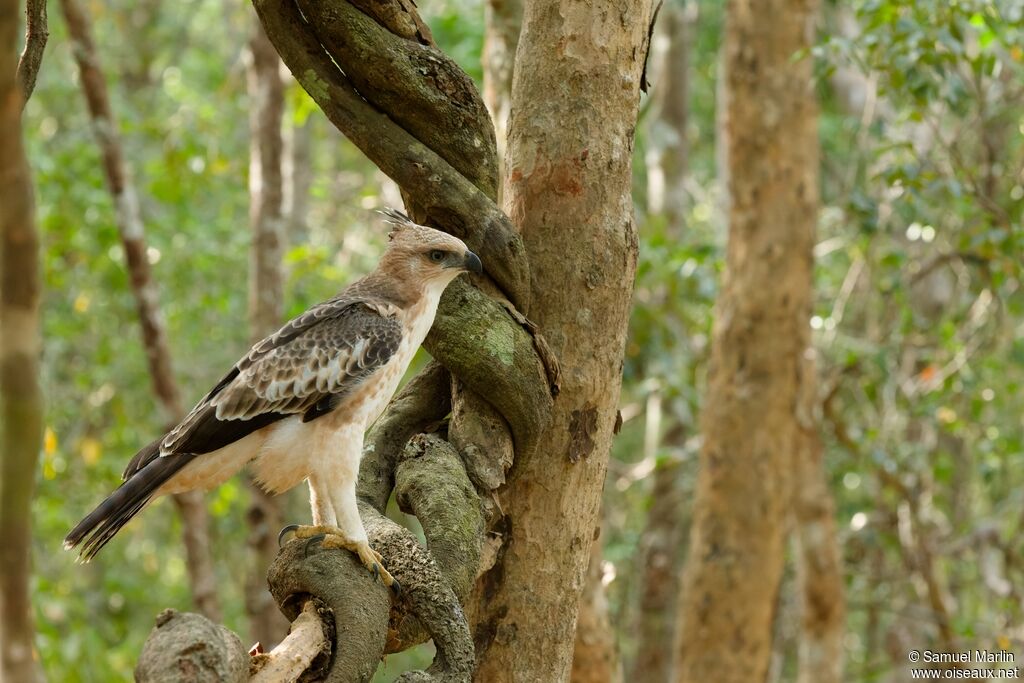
(100, 525)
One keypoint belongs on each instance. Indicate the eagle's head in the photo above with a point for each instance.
(426, 255)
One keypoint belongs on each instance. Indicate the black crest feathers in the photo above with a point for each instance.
(398, 220)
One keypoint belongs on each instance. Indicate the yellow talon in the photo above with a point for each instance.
(333, 537)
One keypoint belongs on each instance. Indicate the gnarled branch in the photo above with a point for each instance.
(37, 32)
(421, 88)
(447, 197)
(358, 606)
(374, 70)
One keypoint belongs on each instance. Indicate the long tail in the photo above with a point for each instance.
(100, 525)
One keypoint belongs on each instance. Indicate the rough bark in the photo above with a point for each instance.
(21, 403)
(431, 483)
(568, 189)
(154, 336)
(503, 21)
(36, 34)
(662, 546)
(428, 114)
(595, 655)
(266, 302)
(189, 648)
(356, 608)
(750, 423)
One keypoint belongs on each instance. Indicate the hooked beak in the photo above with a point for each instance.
(472, 263)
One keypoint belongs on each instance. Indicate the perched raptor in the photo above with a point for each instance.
(296, 406)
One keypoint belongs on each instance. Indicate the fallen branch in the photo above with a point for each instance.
(186, 647)
(294, 655)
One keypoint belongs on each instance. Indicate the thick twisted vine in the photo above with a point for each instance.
(374, 70)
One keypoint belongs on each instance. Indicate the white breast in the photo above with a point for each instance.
(418, 320)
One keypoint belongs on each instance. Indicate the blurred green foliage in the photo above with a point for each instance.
(918, 323)
(176, 73)
(918, 316)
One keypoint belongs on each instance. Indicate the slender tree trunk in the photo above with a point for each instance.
(154, 337)
(195, 535)
(266, 185)
(819, 568)
(595, 657)
(721, 129)
(667, 149)
(298, 179)
(664, 537)
(21, 402)
(266, 296)
(750, 425)
(568, 182)
(503, 21)
(661, 556)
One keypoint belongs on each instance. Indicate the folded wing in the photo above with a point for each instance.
(307, 367)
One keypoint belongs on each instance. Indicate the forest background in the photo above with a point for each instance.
(918, 318)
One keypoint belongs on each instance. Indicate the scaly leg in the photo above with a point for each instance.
(333, 537)
(336, 523)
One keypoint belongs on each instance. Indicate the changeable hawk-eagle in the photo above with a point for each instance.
(296, 406)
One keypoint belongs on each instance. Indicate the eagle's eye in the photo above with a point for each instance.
(437, 256)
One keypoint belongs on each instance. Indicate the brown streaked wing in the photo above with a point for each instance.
(325, 353)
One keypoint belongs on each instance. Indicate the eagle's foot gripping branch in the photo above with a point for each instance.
(333, 537)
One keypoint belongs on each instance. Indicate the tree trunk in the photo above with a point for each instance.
(503, 21)
(595, 656)
(666, 138)
(721, 129)
(21, 402)
(663, 539)
(298, 179)
(154, 337)
(266, 300)
(750, 422)
(661, 555)
(819, 568)
(568, 182)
